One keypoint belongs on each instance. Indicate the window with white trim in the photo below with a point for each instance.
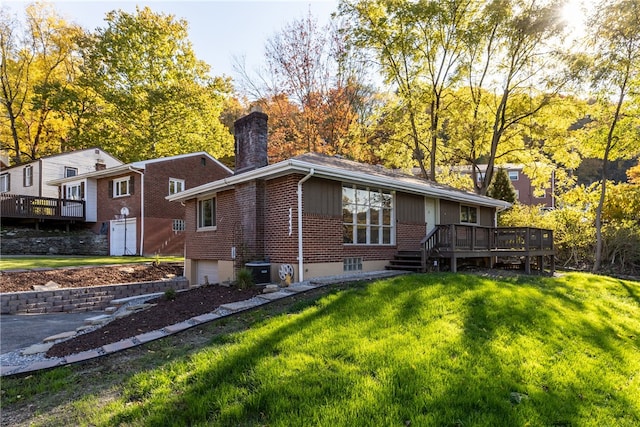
(175, 185)
(367, 216)
(469, 214)
(5, 183)
(69, 171)
(28, 176)
(121, 187)
(514, 175)
(207, 213)
(74, 192)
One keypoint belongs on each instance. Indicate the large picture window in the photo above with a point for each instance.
(367, 216)
(207, 213)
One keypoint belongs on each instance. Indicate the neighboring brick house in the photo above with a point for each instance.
(30, 179)
(128, 202)
(321, 215)
(526, 193)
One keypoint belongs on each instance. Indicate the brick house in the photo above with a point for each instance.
(128, 203)
(316, 214)
(526, 192)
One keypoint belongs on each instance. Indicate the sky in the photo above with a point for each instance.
(218, 30)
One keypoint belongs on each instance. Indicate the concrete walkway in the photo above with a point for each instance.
(47, 329)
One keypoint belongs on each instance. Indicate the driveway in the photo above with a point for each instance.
(22, 330)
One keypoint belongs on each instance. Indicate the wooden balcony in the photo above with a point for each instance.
(41, 208)
(457, 241)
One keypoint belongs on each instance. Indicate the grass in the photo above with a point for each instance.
(31, 262)
(440, 349)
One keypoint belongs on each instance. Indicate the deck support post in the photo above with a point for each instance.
(454, 264)
(541, 264)
(527, 264)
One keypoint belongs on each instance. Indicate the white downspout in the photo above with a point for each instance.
(300, 253)
(141, 209)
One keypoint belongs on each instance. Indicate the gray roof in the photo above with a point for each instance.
(343, 170)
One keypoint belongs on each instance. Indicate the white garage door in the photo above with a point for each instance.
(208, 269)
(122, 237)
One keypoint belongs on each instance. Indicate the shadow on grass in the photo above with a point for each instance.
(474, 370)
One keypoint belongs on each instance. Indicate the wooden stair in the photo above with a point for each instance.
(406, 261)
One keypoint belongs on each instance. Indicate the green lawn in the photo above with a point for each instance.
(31, 262)
(420, 350)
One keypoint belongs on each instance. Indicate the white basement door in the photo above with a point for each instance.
(122, 237)
(208, 269)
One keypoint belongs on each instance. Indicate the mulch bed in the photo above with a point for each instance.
(186, 304)
(17, 281)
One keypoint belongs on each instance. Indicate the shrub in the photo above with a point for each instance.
(170, 294)
(244, 278)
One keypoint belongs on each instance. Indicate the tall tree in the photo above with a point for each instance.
(614, 70)
(157, 97)
(418, 46)
(511, 74)
(310, 69)
(38, 62)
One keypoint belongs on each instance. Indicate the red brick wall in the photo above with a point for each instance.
(322, 238)
(159, 213)
(215, 244)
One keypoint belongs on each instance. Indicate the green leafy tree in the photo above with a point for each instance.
(418, 47)
(38, 62)
(156, 98)
(501, 187)
(614, 72)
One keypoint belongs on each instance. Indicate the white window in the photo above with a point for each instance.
(207, 213)
(121, 187)
(514, 175)
(74, 192)
(4, 183)
(469, 214)
(69, 171)
(352, 264)
(178, 225)
(28, 176)
(367, 216)
(175, 185)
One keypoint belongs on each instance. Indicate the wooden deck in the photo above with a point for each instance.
(41, 208)
(456, 241)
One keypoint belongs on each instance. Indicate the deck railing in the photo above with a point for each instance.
(455, 241)
(31, 207)
(457, 237)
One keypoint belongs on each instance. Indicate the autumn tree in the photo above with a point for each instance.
(310, 69)
(38, 63)
(614, 73)
(157, 98)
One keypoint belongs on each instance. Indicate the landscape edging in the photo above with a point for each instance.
(75, 300)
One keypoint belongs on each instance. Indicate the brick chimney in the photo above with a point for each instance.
(251, 153)
(251, 142)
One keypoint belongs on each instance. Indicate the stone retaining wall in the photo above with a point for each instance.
(84, 244)
(74, 300)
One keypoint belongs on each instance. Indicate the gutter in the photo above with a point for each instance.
(141, 209)
(300, 246)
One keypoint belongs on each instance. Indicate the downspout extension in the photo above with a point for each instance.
(300, 247)
(141, 209)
